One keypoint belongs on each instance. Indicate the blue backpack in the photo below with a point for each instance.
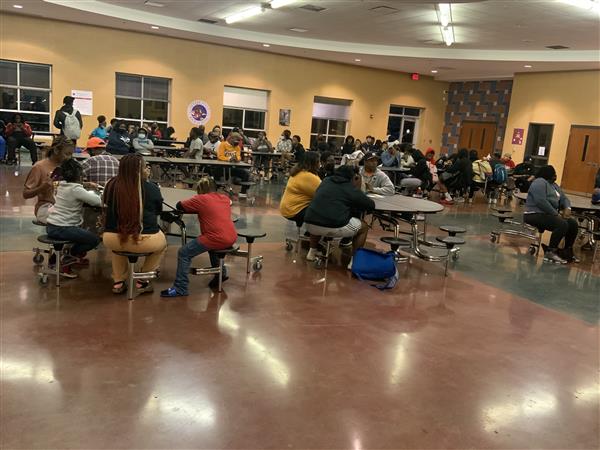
(370, 264)
(500, 175)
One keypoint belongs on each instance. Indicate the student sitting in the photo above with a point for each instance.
(373, 179)
(297, 148)
(421, 170)
(327, 161)
(543, 208)
(389, 158)
(262, 145)
(336, 206)
(132, 206)
(406, 159)
(212, 146)
(482, 173)
(100, 166)
(217, 233)
(196, 145)
(596, 191)
(100, 131)
(508, 162)
(18, 134)
(456, 177)
(524, 174)
(229, 150)
(65, 218)
(142, 144)
(39, 181)
(119, 140)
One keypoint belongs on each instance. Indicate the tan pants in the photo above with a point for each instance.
(155, 243)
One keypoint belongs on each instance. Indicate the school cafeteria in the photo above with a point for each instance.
(299, 224)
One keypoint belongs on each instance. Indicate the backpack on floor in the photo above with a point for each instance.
(71, 128)
(500, 174)
(370, 264)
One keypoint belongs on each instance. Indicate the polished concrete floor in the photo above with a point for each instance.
(504, 353)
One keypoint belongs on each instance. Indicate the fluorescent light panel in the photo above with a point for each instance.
(444, 14)
(584, 4)
(448, 35)
(247, 13)
(279, 3)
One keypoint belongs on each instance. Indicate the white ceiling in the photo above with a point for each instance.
(494, 39)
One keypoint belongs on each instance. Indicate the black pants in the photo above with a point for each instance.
(560, 227)
(18, 140)
(243, 175)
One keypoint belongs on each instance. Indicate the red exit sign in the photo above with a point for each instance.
(414, 76)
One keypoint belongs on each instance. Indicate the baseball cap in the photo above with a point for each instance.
(370, 155)
(95, 143)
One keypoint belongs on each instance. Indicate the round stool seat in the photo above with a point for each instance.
(235, 218)
(226, 251)
(250, 235)
(128, 254)
(453, 230)
(246, 183)
(390, 240)
(38, 223)
(44, 239)
(450, 241)
(502, 210)
(410, 182)
(502, 217)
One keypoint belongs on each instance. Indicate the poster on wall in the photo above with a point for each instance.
(198, 112)
(517, 138)
(84, 102)
(284, 117)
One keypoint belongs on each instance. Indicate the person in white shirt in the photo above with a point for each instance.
(66, 217)
(196, 144)
(211, 147)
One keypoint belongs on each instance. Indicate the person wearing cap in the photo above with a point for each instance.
(66, 108)
(100, 166)
(230, 150)
(374, 179)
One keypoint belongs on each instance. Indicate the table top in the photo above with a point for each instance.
(267, 153)
(577, 201)
(207, 162)
(402, 203)
(394, 169)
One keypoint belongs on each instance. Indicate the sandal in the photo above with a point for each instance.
(143, 286)
(119, 287)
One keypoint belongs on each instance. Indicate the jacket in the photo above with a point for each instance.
(143, 145)
(389, 160)
(10, 129)
(347, 148)
(379, 181)
(118, 143)
(59, 117)
(335, 202)
(544, 197)
(464, 168)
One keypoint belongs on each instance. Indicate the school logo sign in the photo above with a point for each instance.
(198, 112)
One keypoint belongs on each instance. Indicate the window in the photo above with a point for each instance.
(26, 88)
(403, 123)
(330, 118)
(244, 108)
(141, 99)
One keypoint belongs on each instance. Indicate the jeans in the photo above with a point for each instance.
(185, 255)
(560, 227)
(18, 140)
(84, 240)
(2, 147)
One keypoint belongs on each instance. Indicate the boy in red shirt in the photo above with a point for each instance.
(217, 233)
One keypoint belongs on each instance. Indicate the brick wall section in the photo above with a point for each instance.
(484, 101)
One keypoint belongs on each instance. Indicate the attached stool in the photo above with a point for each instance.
(449, 242)
(323, 259)
(396, 243)
(291, 242)
(452, 231)
(132, 275)
(38, 257)
(221, 254)
(251, 199)
(522, 230)
(596, 235)
(56, 247)
(251, 236)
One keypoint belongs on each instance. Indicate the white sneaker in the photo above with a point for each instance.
(312, 254)
(350, 264)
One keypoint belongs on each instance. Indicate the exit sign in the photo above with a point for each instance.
(414, 76)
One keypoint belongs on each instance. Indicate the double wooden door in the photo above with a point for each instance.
(582, 160)
(480, 136)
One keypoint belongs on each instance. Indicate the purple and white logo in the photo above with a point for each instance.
(198, 112)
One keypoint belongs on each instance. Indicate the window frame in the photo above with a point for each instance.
(140, 122)
(243, 125)
(19, 88)
(313, 136)
(406, 118)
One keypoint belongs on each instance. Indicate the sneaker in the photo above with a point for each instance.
(446, 202)
(460, 200)
(349, 267)
(66, 272)
(214, 283)
(171, 292)
(553, 258)
(240, 195)
(313, 254)
(568, 255)
(346, 242)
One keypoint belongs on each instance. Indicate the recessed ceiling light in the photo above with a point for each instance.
(356, 59)
(18, 6)
(266, 45)
(528, 66)
(299, 30)
(245, 14)
(154, 27)
(279, 3)
(155, 4)
(434, 71)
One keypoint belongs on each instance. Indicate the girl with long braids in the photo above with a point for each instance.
(133, 205)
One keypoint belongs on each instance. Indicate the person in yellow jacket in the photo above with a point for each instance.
(299, 192)
(230, 150)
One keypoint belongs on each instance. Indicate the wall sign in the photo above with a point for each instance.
(84, 101)
(284, 117)
(517, 138)
(198, 112)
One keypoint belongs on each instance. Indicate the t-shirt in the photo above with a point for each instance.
(152, 208)
(40, 173)
(214, 215)
(227, 151)
(298, 194)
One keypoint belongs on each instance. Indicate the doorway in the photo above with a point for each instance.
(582, 159)
(480, 136)
(539, 139)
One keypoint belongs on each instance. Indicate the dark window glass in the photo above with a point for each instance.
(154, 110)
(336, 141)
(8, 98)
(232, 117)
(251, 134)
(33, 75)
(412, 112)
(156, 88)
(396, 109)
(319, 126)
(127, 108)
(37, 122)
(32, 100)
(255, 119)
(408, 132)
(394, 124)
(129, 85)
(337, 127)
(8, 73)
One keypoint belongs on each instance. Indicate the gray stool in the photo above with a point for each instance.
(251, 199)
(55, 247)
(291, 242)
(449, 242)
(323, 260)
(221, 254)
(453, 230)
(38, 257)
(396, 243)
(132, 275)
(250, 236)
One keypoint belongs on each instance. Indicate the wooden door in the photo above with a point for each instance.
(480, 136)
(582, 159)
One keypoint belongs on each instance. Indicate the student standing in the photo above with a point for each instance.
(68, 120)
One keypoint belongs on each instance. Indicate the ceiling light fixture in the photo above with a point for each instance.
(155, 4)
(448, 35)
(18, 6)
(434, 71)
(245, 14)
(266, 45)
(299, 30)
(590, 5)
(279, 3)
(357, 60)
(154, 27)
(444, 13)
(528, 66)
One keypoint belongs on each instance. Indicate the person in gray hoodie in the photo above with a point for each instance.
(374, 179)
(548, 208)
(142, 144)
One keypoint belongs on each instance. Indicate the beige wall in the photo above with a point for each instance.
(85, 57)
(559, 98)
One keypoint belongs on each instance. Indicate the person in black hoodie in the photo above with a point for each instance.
(119, 142)
(456, 177)
(421, 170)
(336, 206)
(348, 146)
(61, 114)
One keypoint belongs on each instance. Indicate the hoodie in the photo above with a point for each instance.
(118, 142)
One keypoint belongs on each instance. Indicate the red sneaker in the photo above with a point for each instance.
(446, 202)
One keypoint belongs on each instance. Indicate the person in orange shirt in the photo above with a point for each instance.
(230, 150)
